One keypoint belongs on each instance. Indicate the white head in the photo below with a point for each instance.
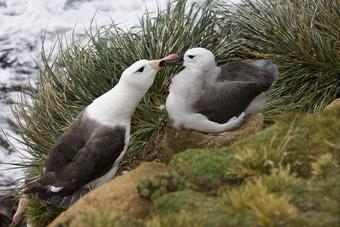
(140, 75)
(199, 59)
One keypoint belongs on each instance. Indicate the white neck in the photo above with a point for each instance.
(117, 105)
(190, 82)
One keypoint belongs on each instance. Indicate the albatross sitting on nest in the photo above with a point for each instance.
(212, 99)
(88, 153)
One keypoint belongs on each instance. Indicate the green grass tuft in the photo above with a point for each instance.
(102, 218)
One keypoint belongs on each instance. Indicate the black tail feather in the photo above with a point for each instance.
(66, 201)
(42, 193)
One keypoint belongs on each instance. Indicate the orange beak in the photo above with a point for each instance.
(155, 63)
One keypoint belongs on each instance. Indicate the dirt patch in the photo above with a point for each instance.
(119, 195)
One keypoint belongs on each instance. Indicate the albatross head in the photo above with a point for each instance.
(196, 58)
(142, 73)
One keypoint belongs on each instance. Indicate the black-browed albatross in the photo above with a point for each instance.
(88, 152)
(212, 99)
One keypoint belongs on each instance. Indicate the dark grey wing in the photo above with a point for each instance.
(92, 161)
(227, 100)
(236, 87)
(68, 145)
(261, 71)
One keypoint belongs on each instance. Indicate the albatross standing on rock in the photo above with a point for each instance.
(88, 153)
(212, 99)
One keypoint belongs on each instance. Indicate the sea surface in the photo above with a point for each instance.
(22, 25)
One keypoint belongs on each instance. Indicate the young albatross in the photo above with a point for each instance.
(88, 153)
(212, 99)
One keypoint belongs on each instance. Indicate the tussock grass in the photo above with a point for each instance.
(184, 219)
(266, 208)
(302, 37)
(279, 180)
(323, 164)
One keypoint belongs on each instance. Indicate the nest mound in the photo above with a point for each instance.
(177, 140)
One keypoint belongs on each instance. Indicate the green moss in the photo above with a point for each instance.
(178, 201)
(319, 198)
(312, 218)
(202, 167)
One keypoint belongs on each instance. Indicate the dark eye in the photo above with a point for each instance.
(140, 70)
(191, 56)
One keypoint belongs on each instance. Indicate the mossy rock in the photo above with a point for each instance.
(298, 140)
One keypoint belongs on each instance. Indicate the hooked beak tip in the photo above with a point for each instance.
(158, 64)
(171, 62)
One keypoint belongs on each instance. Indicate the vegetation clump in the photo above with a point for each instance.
(101, 217)
(158, 185)
(286, 175)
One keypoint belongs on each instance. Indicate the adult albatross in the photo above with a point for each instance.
(88, 152)
(212, 99)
